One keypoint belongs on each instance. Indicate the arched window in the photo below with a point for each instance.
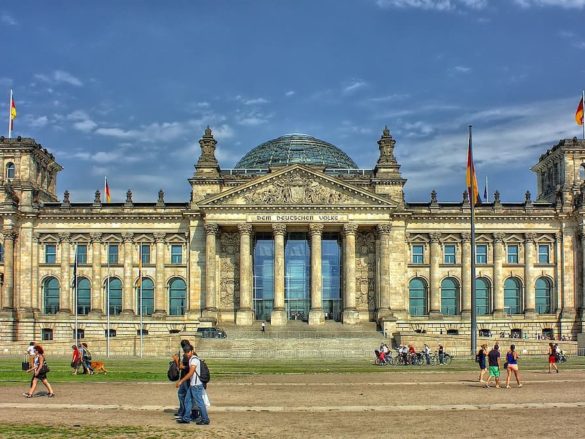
(51, 295)
(513, 296)
(543, 296)
(177, 295)
(449, 297)
(115, 288)
(83, 296)
(10, 170)
(482, 296)
(147, 296)
(417, 289)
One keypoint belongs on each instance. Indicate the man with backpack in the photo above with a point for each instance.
(183, 388)
(197, 379)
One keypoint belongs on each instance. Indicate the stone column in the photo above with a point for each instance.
(245, 313)
(36, 297)
(65, 302)
(385, 309)
(466, 274)
(435, 281)
(278, 317)
(498, 286)
(529, 261)
(160, 308)
(316, 316)
(210, 312)
(557, 304)
(97, 302)
(128, 297)
(350, 314)
(569, 268)
(8, 290)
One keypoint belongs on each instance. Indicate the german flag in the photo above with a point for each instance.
(472, 188)
(579, 113)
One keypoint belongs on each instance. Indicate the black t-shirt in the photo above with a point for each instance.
(185, 369)
(493, 357)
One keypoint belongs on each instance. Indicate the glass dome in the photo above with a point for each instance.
(296, 148)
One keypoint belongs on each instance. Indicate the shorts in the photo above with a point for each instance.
(552, 359)
(494, 371)
(512, 367)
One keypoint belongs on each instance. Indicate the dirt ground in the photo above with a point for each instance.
(437, 404)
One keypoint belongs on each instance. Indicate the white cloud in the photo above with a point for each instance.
(82, 121)
(290, 93)
(38, 122)
(59, 76)
(437, 5)
(462, 69)
(566, 4)
(8, 19)
(354, 86)
(256, 101)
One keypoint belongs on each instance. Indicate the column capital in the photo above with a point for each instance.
(36, 237)
(211, 228)
(9, 235)
(349, 228)
(530, 237)
(95, 237)
(127, 237)
(279, 229)
(558, 236)
(466, 237)
(315, 229)
(64, 237)
(499, 237)
(435, 237)
(159, 236)
(245, 228)
(383, 229)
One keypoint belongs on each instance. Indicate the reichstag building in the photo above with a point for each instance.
(294, 232)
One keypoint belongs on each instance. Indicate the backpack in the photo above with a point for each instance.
(204, 376)
(173, 372)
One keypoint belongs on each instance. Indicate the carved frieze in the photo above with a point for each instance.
(365, 270)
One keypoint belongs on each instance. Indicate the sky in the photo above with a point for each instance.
(125, 89)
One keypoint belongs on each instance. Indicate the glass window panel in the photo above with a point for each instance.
(297, 265)
(176, 254)
(449, 254)
(543, 254)
(113, 252)
(331, 266)
(417, 291)
(147, 297)
(145, 249)
(82, 254)
(51, 295)
(418, 254)
(83, 296)
(263, 275)
(512, 254)
(115, 288)
(512, 296)
(10, 170)
(482, 296)
(481, 254)
(177, 296)
(50, 253)
(449, 296)
(543, 296)
(1, 253)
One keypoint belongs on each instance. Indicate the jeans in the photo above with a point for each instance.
(428, 358)
(195, 397)
(181, 395)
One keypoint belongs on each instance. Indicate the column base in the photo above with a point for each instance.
(530, 313)
(466, 314)
(7, 312)
(568, 313)
(193, 314)
(384, 314)
(350, 317)
(278, 317)
(64, 312)
(210, 315)
(435, 315)
(127, 313)
(316, 317)
(498, 314)
(96, 313)
(159, 314)
(244, 317)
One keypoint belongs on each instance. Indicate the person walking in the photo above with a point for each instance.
(31, 354)
(75, 359)
(86, 359)
(184, 387)
(195, 392)
(481, 360)
(512, 363)
(552, 358)
(494, 363)
(39, 371)
(263, 327)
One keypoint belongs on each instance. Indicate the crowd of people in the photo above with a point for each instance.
(81, 357)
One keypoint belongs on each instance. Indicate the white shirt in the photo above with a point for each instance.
(194, 361)
(30, 350)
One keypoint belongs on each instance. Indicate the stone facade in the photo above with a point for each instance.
(404, 265)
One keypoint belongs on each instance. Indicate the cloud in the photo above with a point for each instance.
(354, 86)
(256, 101)
(38, 122)
(290, 93)
(59, 76)
(81, 121)
(8, 19)
(5, 82)
(461, 69)
(565, 4)
(436, 5)
(253, 118)
(388, 98)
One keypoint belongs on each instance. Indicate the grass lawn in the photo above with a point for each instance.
(135, 369)
(18, 431)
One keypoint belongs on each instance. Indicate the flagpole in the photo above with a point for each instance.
(487, 190)
(75, 295)
(108, 307)
(473, 308)
(141, 312)
(10, 116)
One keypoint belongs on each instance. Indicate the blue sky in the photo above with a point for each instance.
(126, 88)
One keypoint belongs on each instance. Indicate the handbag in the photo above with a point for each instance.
(45, 368)
(25, 365)
(506, 365)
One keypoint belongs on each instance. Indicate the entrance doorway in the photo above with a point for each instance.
(297, 276)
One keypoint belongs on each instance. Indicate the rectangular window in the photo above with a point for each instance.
(113, 253)
(145, 251)
(512, 254)
(47, 334)
(481, 254)
(449, 254)
(82, 254)
(418, 254)
(50, 254)
(543, 256)
(1, 253)
(176, 254)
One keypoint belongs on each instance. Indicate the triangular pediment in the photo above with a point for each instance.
(297, 185)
